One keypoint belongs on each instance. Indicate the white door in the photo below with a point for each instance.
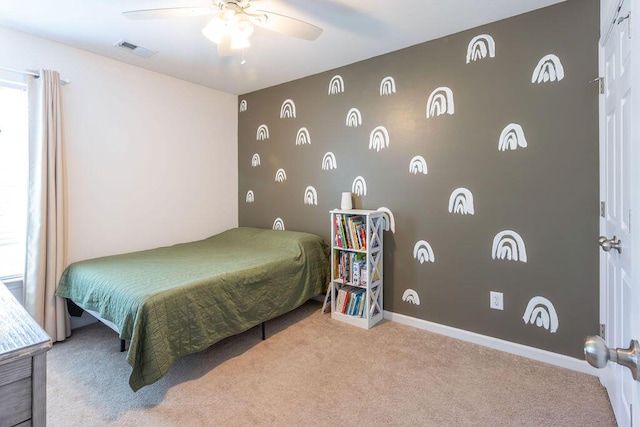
(619, 294)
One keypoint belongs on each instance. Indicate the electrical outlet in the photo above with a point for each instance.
(495, 300)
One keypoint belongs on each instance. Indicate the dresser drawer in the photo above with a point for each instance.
(15, 370)
(15, 402)
(23, 364)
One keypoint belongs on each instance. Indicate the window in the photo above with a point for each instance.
(14, 176)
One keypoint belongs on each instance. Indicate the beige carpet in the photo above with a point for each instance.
(315, 371)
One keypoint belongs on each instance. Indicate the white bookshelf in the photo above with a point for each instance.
(364, 246)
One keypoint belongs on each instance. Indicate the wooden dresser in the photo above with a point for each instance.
(23, 364)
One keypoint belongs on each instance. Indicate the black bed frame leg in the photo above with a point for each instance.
(122, 345)
(263, 334)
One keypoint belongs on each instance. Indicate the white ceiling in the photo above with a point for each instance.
(353, 30)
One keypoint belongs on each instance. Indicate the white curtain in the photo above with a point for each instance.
(46, 239)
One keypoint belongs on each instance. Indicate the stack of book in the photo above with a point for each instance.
(350, 232)
(351, 302)
(350, 268)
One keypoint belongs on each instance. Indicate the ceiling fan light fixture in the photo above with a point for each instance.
(240, 43)
(234, 31)
(215, 29)
(242, 28)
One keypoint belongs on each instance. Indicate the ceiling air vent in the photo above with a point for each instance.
(135, 49)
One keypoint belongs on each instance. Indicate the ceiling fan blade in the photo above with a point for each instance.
(173, 12)
(286, 25)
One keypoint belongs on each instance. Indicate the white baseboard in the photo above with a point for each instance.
(497, 344)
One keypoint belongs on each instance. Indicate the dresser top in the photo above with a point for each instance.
(19, 333)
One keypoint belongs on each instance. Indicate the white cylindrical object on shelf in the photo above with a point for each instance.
(345, 204)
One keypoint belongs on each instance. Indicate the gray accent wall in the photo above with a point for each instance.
(506, 120)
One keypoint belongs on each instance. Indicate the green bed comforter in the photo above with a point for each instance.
(178, 300)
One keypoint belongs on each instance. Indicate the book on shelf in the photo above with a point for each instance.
(339, 300)
(357, 296)
(363, 304)
(350, 302)
(364, 274)
(336, 264)
(363, 236)
(355, 273)
(344, 232)
(338, 240)
(350, 230)
(339, 236)
(345, 301)
(356, 225)
(359, 275)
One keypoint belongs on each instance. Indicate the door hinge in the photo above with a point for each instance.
(600, 81)
(601, 85)
(603, 210)
(602, 331)
(622, 19)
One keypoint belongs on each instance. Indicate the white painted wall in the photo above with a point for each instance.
(151, 160)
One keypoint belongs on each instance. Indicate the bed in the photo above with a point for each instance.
(173, 301)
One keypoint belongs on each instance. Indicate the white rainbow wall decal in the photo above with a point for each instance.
(281, 175)
(262, 133)
(336, 85)
(278, 224)
(310, 196)
(418, 165)
(243, 105)
(549, 69)
(423, 252)
(410, 296)
(359, 186)
(303, 137)
(255, 160)
(541, 312)
(389, 220)
(387, 86)
(329, 161)
(440, 102)
(250, 198)
(508, 245)
(288, 109)
(512, 137)
(461, 202)
(481, 46)
(379, 139)
(354, 118)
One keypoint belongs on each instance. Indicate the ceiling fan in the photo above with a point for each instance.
(233, 21)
